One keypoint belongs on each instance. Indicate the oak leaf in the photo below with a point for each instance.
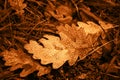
(81, 39)
(90, 27)
(62, 13)
(74, 41)
(52, 51)
(18, 59)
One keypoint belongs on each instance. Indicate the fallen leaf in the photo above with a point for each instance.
(18, 6)
(18, 59)
(74, 42)
(90, 27)
(62, 13)
(106, 25)
(52, 51)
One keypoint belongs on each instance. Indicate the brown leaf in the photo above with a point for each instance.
(90, 27)
(18, 5)
(106, 25)
(62, 13)
(52, 52)
(75, 40)
(18, 59)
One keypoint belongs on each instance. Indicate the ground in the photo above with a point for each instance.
(23, 20)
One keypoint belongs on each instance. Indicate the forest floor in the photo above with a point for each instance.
(23, 20)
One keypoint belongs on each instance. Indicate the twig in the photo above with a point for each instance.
(36, 26)
(40, 3)
(4, 27)
(99, 4)
(111, 2)
(77, 9)
(111, 63)
(113, 76)
(90, 14)
(20, 39)
(6, 15)
(5, 5)
(100, 47)
(30, 11)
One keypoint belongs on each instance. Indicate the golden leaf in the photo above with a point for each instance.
(52, 52)
(74, 42)
(79, 40)
(18, 59)
(90, 27)
(62, 12)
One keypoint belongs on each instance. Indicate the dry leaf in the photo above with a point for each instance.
(81, 39)
(18, 59)
(18, 5)
(62, 13)
(106, 25)
(90, 27)
(74, 42)
(52, 52)
(82, 76)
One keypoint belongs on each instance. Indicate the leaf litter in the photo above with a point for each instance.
(18, 59)
(56, 40)
(73, 43)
